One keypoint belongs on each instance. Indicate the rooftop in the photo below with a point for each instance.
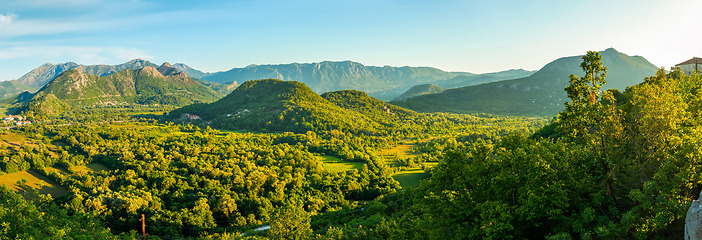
(691, 61)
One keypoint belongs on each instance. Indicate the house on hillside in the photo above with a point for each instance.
(691, 66)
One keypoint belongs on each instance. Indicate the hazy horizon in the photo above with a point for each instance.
(463, 36)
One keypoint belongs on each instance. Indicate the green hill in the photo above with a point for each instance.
(539, 94)
(148, 85)
(276, 105)
(420, 90)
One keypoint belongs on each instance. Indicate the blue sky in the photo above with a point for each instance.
(472, 36)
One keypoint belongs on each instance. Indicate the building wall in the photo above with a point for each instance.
(690, 68)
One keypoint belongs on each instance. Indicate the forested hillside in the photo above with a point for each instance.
(274, 155)
(611, 166)
(198, 182)
(419, 90)
(540, 94)
(275, 105)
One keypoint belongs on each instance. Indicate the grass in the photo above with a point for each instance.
(34, 180)
(334, 164)
(403, 150)
(410, 177)
(90, 168)
(12, 138)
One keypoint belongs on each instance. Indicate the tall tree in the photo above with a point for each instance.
(578, 117)
(592, 119)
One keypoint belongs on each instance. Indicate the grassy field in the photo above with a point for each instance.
(402, 150)
(410, 177)
(11, 138)
(90, 168)
(34, 180)
(334, 164)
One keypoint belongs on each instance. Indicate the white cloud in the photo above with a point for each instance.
(81, 55)
(46, 27)
(7, 19)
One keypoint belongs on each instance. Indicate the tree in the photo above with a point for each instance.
(290, 222)
(579, 114)
(592, 119)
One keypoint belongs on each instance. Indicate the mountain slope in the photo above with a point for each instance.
(191, 71)
(276, 105)
(45, 73)
(419, 90)
(38, 77)
(148, 85)
(539, 94)
(475, 79)
(331, 76)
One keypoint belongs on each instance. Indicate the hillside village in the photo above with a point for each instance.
(15, 120)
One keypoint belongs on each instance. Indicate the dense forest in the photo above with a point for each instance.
(611, 165)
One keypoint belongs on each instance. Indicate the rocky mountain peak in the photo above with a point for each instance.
(150, 71)
(166, 69)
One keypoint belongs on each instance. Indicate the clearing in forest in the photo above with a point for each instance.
(90, 168)
(34, 180)
(410, 177)
(12, 139)
(335, 164)
(79, 170)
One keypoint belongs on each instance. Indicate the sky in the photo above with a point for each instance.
(468, 36)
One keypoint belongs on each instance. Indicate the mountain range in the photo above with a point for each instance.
(539, 94)
(384, 83)
(40, 76)
(164, 85)
(511, 92)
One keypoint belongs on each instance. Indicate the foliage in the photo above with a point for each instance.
(40, 218)
(630, 172)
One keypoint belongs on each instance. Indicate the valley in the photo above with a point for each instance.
(105, 149)
(350, 120)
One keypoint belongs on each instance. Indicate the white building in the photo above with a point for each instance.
(691, 66)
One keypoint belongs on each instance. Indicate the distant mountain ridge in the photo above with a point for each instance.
(475, 79)
(331, 76)
(381, 82)
(419, 90)
(539, 94)
(164, 85)
(38, 77)
(384, 83)
(191, 71)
